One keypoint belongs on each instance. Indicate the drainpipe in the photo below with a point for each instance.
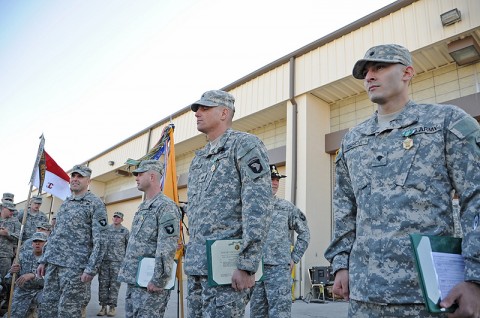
(293, 190)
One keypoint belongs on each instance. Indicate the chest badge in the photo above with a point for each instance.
(407, 143)
(212, 169)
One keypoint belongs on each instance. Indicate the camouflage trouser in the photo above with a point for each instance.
(64, 294)
(360, 309)
(23, 299)
(5, 264)
(139, 303)
(272, 297)
(107, 283)
(219, 301)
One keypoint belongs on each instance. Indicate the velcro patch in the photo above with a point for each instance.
(255, 165)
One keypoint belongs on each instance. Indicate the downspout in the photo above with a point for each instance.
(293, 189)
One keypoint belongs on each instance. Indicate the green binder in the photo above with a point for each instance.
(440, 266)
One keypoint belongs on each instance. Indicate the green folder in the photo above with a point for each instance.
(438, 259)
(222, 256)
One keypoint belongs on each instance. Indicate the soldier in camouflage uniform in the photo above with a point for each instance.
(33, 218)
(395, 174)
(7, 197)
(272, 296)
(43, 227)
(74, 251)
(229, 197)
(9, 234)
(155, 232)
(28, 286)
(115, 247)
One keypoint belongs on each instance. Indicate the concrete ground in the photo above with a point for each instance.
(300, 309)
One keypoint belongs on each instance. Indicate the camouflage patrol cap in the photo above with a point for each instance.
(82, 170)
(44, 225)
(39, 236)
(37, 199)
(7, 197)
(387, 53)
(119, 214)
(274, 172)
(147, 165)
(214, 98)
(9, 205)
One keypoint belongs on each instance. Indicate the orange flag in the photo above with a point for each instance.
(170, 189)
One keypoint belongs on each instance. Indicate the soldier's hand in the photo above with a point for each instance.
(340, 285)
(151, 288)
(86, 278)
(3, 232)
(24, 278)
(15, 268)
(466, 295)
(242, 280)
(41, 270)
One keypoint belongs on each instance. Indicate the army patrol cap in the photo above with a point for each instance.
(82, 170)
(9, 205)
(7, 197)
(147, 165)
(388, 53)
(37, 199)
(274, 172)
(214, 98)
(119, 214)
(44, 225)
(39, 236)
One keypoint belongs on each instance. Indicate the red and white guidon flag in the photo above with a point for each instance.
(55, 180)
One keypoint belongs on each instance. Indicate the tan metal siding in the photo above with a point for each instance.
(133, 149)
(415, 26)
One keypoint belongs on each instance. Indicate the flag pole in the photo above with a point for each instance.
(25, 211)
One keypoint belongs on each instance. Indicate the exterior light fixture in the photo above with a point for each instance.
(122, 173)
(111, 163)
(450, 17)
(464, 51)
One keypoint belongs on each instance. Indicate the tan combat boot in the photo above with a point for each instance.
(111, 311)
(103, 311)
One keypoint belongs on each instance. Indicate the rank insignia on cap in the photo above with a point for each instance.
(255, 165)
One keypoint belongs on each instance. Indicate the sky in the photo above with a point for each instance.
(88, 74)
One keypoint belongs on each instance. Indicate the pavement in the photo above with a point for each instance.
(300, 309)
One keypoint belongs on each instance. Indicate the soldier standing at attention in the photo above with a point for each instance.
(272, 296)
(115, 246)
(155, 232)
(229, 197)
(395, 174)
(74, 250)
(33, 218)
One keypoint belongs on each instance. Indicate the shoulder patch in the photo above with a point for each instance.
(103, 222)
(464, 127)
(255, 165)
